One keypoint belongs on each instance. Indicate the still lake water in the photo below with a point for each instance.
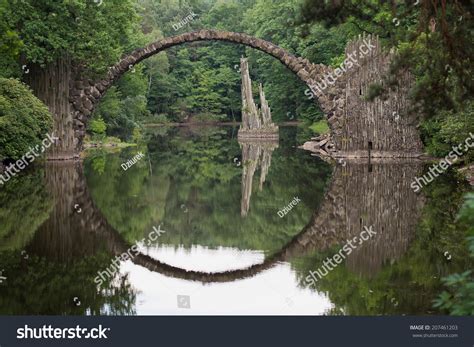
(224, 249)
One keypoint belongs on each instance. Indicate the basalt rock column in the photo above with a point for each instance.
(52, 85)
(256, 123)
(250, 116)
(265, 109)
(383, 127)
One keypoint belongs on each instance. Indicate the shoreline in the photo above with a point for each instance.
(107, 145)
(191, 124)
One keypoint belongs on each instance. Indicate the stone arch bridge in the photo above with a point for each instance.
(357, 128)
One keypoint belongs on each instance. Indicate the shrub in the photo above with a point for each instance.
(449, 128)
(113, 139)
(136, 135)
(160, 118)
(98, 127)
(321, 127)
(24, 119)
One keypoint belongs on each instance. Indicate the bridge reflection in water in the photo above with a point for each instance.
(359, 195)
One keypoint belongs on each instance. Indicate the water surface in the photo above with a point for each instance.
(225, 249)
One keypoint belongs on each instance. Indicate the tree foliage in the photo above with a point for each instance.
(204, 78)
(91, 33)
(97, 126)
(24, 119)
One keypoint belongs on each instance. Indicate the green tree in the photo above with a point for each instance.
(10, 43)
(24, 119)
(97, 126)
(84, 34)
(51, 29)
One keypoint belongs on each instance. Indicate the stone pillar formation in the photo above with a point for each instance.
(256, 123)
(382, 128)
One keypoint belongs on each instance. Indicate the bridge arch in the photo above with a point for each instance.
(382, 128)
(86, 94)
